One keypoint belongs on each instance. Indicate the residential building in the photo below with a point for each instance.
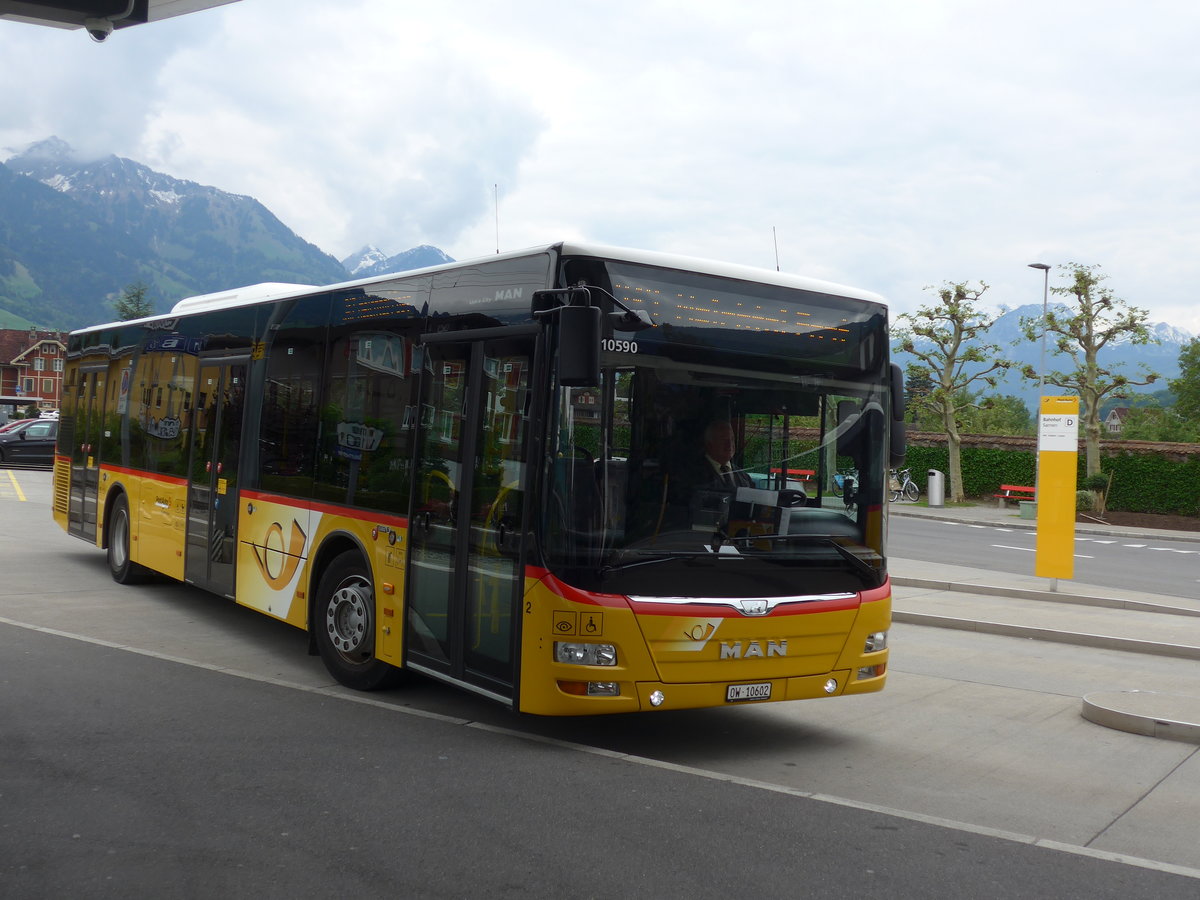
(31, 368)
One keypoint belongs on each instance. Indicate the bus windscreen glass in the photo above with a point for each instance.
(721, 459)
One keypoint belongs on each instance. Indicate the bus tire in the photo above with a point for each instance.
(123, 569)
(344, 625)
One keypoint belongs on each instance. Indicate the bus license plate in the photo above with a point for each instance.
(736, 692)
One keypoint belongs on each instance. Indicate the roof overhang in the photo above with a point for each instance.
(99, 17)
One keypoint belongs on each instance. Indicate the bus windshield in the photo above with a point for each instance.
(741, 471)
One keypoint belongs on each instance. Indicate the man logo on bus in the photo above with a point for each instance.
(277, 565)
(752, 649)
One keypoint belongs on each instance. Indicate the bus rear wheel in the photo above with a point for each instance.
(344, 625)
(124, 570)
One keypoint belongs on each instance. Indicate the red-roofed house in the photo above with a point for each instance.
(31, 368)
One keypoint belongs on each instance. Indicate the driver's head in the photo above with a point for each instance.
(718, 442)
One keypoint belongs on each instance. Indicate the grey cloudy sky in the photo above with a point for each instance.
(890, 145)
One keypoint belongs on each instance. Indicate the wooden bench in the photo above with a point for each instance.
(802, 475)
(1014, 492)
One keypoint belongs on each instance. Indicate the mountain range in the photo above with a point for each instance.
(75, 233)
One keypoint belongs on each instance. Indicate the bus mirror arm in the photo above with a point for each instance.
(626, 319)
(630, 320)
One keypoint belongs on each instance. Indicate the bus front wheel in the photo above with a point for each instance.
(344, 625)
(124, 570)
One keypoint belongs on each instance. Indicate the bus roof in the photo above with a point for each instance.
(258, 293)
(720, 269)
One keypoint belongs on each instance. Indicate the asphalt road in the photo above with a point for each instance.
(1170, 568)
(159, 741)
(128, 776)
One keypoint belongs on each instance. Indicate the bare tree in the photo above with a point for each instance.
(945, 338)
(1097, 320)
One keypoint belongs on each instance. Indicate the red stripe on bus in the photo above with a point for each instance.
(363, 515)
(141, 473)
(647, 606)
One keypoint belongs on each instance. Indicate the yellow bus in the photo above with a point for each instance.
(575, 479)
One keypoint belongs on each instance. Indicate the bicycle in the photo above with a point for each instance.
(840, 478)
(902, 485)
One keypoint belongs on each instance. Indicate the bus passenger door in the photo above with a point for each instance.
(216, 429)
(85, 458)
(465, 568)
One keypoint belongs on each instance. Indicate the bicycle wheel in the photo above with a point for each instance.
(911, 491)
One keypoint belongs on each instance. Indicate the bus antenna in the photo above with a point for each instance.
(775, 238)
(496, 206)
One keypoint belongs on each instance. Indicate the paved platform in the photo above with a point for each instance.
(990, 602)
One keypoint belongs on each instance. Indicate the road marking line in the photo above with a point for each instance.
(1034, 550)
(12, 476)
(337, 692)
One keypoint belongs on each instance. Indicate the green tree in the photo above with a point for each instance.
(1187, 385)
(1097, 320)
(916, 388)
(999, 414)
(946, 340)
(133, 304)
(1149, 423)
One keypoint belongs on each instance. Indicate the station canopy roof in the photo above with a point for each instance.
(99, 17)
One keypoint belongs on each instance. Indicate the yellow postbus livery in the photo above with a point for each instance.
(575, 479)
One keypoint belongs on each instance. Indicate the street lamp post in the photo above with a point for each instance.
(1045, 296)
(1037, 481)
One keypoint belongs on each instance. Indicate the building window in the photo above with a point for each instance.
(38, 364)
(58, 365)
(47, 387)
(29, 382)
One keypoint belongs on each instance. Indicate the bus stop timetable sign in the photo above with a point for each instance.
(1058, 432)
(1058, 459)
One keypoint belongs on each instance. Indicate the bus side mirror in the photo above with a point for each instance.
(899, 444)
(849, 427)
(899, 447)
(578, 346)
(897, 393)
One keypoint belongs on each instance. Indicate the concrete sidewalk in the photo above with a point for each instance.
(984, 601)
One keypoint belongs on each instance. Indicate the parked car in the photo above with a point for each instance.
(32, 441)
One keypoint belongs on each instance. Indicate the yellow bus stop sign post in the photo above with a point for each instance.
(1058, 460)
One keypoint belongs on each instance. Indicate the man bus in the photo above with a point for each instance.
(479, 471)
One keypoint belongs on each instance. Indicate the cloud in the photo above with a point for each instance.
(883, 144)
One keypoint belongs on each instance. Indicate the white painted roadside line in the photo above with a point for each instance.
(1034, 550)
(339, 692)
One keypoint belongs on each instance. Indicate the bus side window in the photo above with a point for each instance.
(366, 420)
(289, 416)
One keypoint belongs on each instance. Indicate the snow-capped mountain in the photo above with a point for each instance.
(371, 261)
(360, 261)
(74, 233)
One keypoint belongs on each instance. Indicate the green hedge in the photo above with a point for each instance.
(1141, 482)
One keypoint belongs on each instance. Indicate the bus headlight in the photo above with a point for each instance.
(876, 642)
(577, 654)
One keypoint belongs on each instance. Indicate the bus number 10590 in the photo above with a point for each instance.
(617, 346)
